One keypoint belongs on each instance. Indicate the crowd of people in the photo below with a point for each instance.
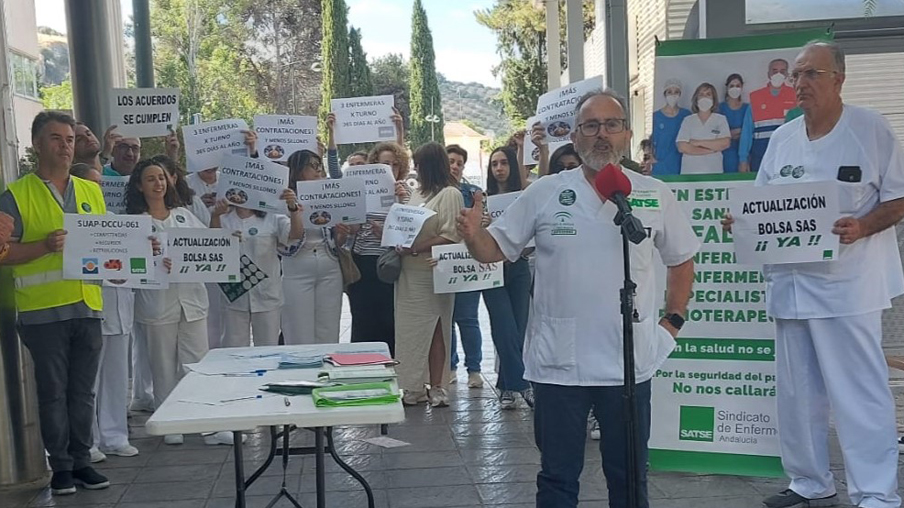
(552, 242)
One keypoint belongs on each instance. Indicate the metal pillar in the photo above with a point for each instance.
(144, 57)
(553, 52)
(21, 449)
(90, 61)
(574, 19)
(617, 77)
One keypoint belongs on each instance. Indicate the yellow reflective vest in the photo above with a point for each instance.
(39, 283)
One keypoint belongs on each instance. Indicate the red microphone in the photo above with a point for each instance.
(613, 185)
(611, 181)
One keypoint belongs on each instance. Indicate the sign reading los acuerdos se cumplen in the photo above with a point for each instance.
(144, 112)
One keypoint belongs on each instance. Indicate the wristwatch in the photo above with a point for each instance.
(674, 319)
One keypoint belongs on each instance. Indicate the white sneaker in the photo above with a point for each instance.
(438, 397)
(414, 398)
(123, 451)
(475, 380)
(453, 377)
(173, 439)
(595, 433)
(224, 437)
(507, 400)
(97, 455)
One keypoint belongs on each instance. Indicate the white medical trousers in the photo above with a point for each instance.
(142, 384)
(111, 400)
(312, 291)
(171, 346)
(216, 315)
(241, 325)
(837, 363)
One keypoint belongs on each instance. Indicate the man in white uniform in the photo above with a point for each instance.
(573, 350)
(828, 315)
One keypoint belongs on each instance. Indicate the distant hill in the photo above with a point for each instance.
(477, 104)
(54, 56)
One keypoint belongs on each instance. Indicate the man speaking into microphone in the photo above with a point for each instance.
(573, 350)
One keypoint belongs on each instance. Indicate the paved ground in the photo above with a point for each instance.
(468, 455)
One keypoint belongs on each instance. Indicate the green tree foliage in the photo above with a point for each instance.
(520, 30)
(424, 90)
(334, 56)
(200, 49)
(58, 96)
(390, 76)
(360, 80)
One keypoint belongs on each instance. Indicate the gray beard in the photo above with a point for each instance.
(597, 163)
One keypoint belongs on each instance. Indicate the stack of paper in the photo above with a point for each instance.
(362, 374)
(347, 359)
(364, 394)
(297, 361)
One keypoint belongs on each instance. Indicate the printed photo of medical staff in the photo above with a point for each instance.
(715, 112)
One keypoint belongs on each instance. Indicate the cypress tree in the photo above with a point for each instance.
(334, 57)
(425, 97)
(360, 83)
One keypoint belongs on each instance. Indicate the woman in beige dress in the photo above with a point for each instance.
(423, 319)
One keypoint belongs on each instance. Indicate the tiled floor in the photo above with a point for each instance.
(470, 454)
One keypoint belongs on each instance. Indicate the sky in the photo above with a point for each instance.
(465, 51)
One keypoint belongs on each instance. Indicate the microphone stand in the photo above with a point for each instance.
(629, 226)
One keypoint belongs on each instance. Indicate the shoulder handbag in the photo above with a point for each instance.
(350, 272)
(389, 266)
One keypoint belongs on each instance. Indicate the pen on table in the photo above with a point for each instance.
(243, 398)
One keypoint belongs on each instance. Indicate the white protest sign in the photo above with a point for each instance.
(158, 278)
(330, 202)
(144, 112)
(106, 246)
(203, 255)
(403, 223)
(207, 143)
(531, 151)
(457, 272)
(255, 184)
(379, 183)
(279, 136)
(555, 110)
(497, 203)
(785, 223)
(363, 119)
(114, 188)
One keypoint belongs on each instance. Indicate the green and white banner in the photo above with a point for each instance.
(714, 398)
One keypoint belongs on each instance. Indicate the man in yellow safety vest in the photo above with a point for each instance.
(59, 320)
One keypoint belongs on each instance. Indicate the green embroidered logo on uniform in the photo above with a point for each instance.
(644, 198)
(86, 207)
(252, 231)
(697, 423)
(797, 172)
(786, 170)
(567, 197)
(180, 219)
(564, 225)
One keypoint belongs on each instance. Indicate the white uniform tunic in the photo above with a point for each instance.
(867, 274)
(111, 425)
(716, 127)
(828, 316)
(574, 335)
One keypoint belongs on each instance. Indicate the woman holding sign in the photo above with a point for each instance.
(312, 279)
(174, 320)
(261, 234)
(370, 298)
(508, 306)
(424, 319)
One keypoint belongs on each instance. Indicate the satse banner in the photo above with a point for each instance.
(330, 202)
(114, 188)
(144, 112)
(203, 255)
(207, 143)
(403, 224)
(457, 271)
(253, 183)
(785, 223)
(279, 136)
(379, 184)
(555, 111)
(363, 119)
(107, 247)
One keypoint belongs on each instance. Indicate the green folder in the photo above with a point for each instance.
(361, 394)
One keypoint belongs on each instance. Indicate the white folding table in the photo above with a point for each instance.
(221, 394)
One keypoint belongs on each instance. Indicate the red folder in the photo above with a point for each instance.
(347, 359)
